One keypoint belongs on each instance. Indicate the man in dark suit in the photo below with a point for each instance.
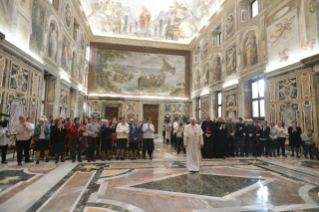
(250, 134)
(230, 137)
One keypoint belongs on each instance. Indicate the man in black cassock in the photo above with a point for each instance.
(221, 139)
(208, 127)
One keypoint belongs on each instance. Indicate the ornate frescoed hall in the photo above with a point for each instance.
(159, 106)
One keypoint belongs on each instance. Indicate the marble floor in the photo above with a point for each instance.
(163, 184)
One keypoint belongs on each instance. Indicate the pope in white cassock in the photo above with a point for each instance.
(193, 142)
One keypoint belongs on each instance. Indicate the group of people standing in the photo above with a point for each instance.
(57, 132)
(244, 138)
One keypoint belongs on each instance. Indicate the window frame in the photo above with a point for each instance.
(251, 9)
(220, 105)
(258, 98)
(43, 101)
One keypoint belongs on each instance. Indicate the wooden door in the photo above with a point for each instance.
(111, 112)
(151, 111)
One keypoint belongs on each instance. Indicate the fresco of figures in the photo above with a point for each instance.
(162, 20)
(36, 38)
(137, 73)
(53, 42)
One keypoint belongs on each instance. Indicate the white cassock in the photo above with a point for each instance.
(193, 138)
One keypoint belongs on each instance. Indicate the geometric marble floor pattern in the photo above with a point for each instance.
(163, 184)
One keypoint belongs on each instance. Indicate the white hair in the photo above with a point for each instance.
(193, 118)
(105, 120)
(42, 119)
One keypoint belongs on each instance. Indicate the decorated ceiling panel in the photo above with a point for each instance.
(165, 20)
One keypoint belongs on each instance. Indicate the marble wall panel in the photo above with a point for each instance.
(15, 107)
(35, 84)
(3, 71)
(19, 79)
(305, 86)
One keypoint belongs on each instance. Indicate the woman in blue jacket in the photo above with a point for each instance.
(42, 139)
(135, 132)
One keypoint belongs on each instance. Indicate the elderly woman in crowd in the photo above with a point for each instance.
(294, 138)
(58, 132)
(23, 129)
(106, 133)
(4, 141)
(42, 139)
(135, 132)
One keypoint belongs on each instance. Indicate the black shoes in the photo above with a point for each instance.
(151, 158)
(56, 161)
(109, 158)
(284, 156)
(80, 160)
(4, 162)
(20, 164)
(73, 160)
(292, 155)
(117, 158)
(122, 158)
(37, 162)
(28, 161)
(47, 160)
(298, 156)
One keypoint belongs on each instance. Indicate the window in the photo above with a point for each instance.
(76, 30)
(199, 106)
(43, 97)
(55, 4)
(254, 9)
(219, 104)
(258, 101)
(220, 38)
(87, 53)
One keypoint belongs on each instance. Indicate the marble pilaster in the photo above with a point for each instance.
(56, 107)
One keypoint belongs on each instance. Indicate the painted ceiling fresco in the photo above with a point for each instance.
(165, 20)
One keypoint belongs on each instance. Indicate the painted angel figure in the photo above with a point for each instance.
(282, 28)
(145, 19)
(180, 13)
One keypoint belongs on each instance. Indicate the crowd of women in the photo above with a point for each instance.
(67, 134)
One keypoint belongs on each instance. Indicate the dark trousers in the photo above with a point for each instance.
(268, 147)
(311, 148)
(251, 146)
(4, 152)
(91, 147)
(179, 143)
(76, 145)
(148, 151)
(163, 136)
(262, 146)
(281, 145)
(175, 141)
(23, 146)
(229, 146)
(240, 144)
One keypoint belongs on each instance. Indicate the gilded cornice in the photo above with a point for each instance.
(136, 42)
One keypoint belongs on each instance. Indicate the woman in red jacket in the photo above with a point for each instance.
(76, 139)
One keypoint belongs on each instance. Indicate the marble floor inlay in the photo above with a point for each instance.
(201, 184)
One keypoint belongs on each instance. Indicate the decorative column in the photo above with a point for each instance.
(214, 111)
(244, 106)
(76, 103)
(56, 105)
